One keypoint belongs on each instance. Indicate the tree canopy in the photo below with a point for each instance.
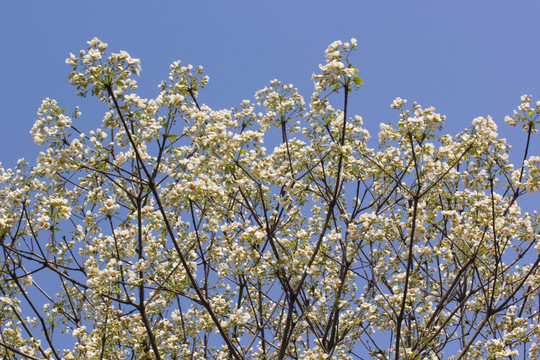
(172, 232)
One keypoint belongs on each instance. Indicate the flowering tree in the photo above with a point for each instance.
(171, 232)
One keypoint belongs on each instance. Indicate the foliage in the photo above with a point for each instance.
(171, 232)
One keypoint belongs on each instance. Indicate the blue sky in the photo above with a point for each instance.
(466, 58)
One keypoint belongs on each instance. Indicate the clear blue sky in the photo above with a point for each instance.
(466, 58)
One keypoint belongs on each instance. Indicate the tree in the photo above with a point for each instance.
(173, 233)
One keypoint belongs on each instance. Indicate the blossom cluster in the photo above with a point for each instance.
(177, 231)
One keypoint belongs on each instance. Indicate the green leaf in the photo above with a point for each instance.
(357, 80)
